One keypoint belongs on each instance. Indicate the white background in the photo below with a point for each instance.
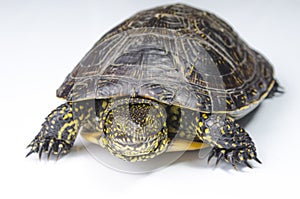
(40, 43)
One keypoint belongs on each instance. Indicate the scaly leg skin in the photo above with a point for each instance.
(230, 142)
(57, 134)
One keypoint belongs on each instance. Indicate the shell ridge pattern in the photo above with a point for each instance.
(173, 54)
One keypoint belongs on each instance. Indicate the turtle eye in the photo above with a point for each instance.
(118, 127)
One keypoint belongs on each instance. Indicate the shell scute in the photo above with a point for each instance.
(174, 54)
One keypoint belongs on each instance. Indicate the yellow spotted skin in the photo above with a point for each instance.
(60, 129)
(136, 129)
(228, 140)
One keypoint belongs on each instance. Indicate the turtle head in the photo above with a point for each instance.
(134, 129)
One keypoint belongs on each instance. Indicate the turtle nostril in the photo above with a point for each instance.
(140, 113)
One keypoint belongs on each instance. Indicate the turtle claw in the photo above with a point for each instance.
(49, 153)
(29, 145)
(220, 156)
(60, 151)
(257, 160)
(210, 156)
(231, 156)
(50, 146)
(30, 152)
(215, 152)
(276, 90)
(248, 165)
(40, 153)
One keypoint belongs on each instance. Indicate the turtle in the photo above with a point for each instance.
(170, 78)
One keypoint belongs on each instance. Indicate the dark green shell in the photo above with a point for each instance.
(174, 54)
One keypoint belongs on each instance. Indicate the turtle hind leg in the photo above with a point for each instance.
(230, 142)
(57, 134)
(276, 90)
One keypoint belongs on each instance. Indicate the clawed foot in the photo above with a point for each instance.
(233, 156)
(50, 146)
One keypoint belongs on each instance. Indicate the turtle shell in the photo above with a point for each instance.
(175, 54)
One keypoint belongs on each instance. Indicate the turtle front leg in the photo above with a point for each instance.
(57, 134)
(230, 142)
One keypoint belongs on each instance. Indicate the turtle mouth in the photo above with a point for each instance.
(137, 149)
(135, 139)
